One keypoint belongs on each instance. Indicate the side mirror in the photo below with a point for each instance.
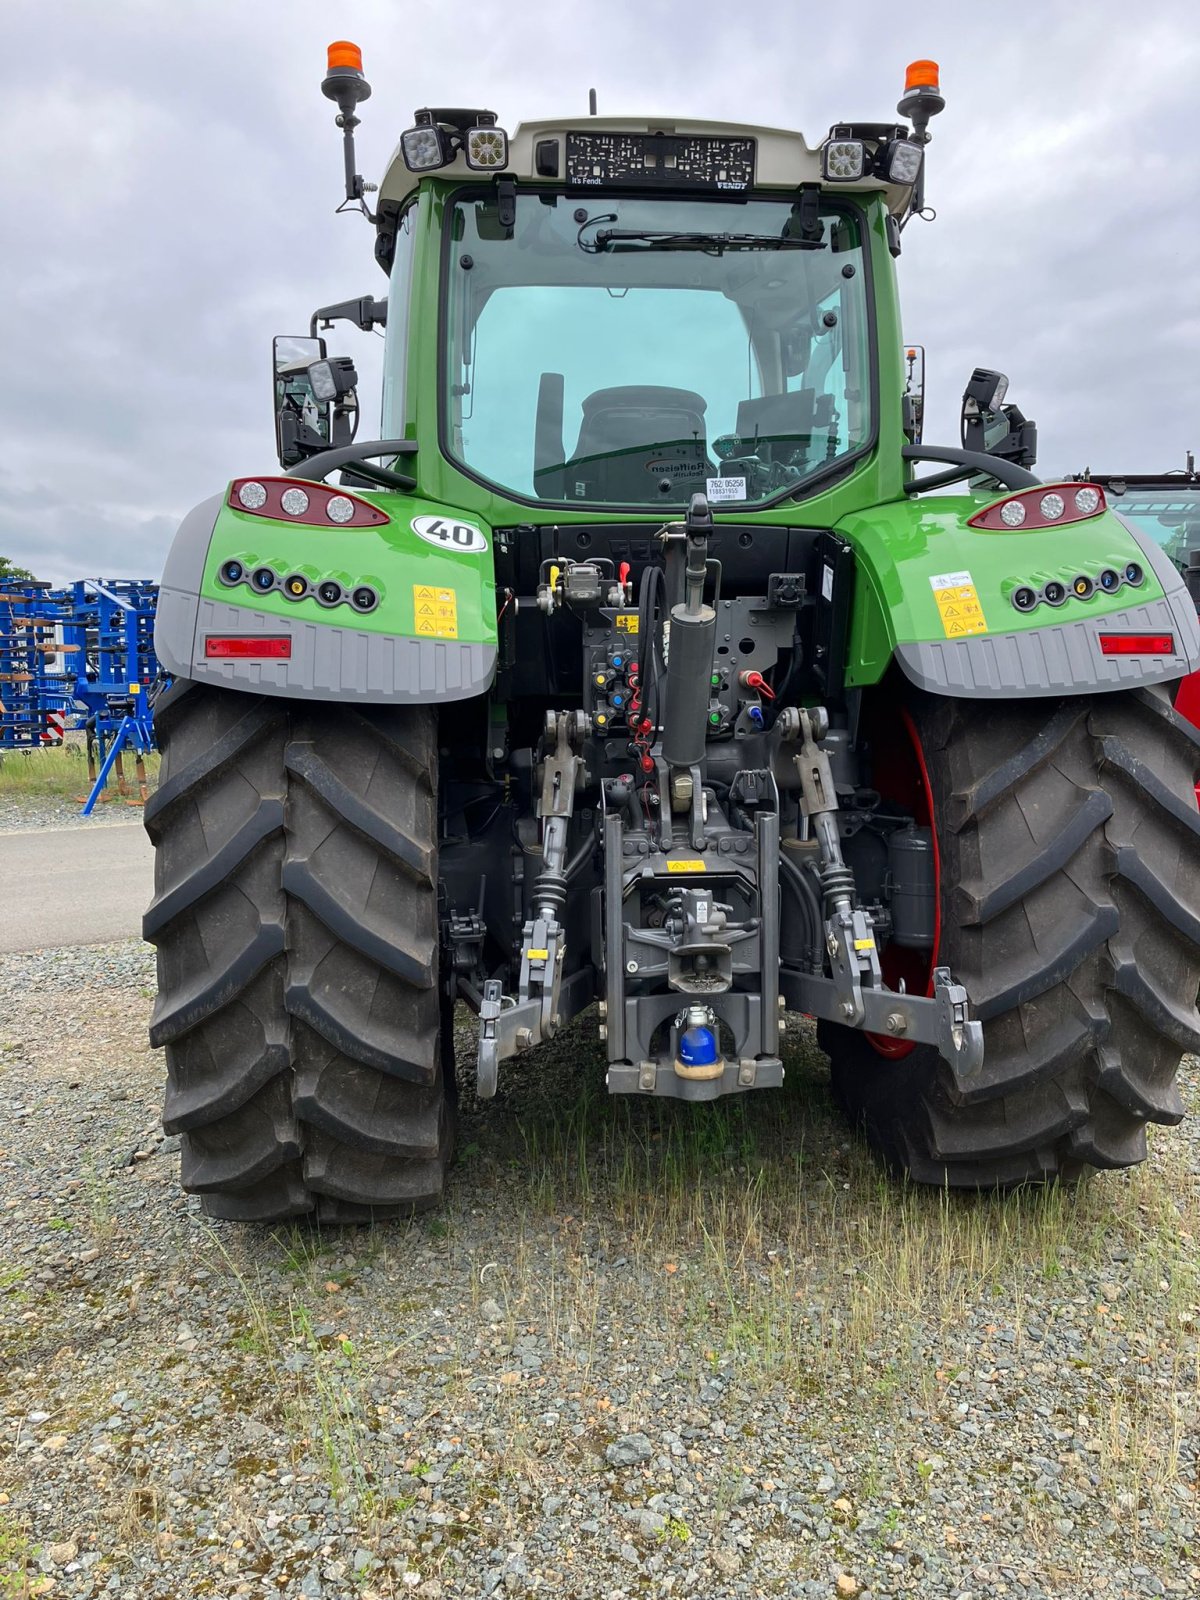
(990, 426)
(316, 400)
(301, 424)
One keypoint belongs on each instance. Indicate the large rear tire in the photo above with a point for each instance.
(1068, 839)
(295, 915)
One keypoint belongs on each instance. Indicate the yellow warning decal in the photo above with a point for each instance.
(864, 944)
(958, 604)
(626, 621)
(435, 612)
(686, 866)
(539, 955)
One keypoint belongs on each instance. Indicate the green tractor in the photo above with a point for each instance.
(638, 668)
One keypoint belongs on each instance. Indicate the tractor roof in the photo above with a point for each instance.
(538, 154)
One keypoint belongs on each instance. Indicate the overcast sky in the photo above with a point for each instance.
(170, 170)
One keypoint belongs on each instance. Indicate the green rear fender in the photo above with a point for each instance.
(936, 596)
(428, 635)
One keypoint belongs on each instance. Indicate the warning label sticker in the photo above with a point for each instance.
(686, 866)
(626, 621)
(958, 604)
(435, 611)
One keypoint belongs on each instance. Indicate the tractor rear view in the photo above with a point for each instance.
(635, 667)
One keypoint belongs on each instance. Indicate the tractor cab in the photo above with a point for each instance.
(631, 311)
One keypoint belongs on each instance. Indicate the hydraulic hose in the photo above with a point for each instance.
(650, 595)
(797, 880)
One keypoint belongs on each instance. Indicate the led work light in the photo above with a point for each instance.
(425, 147)
(901, 161)
(843, 160)
(486, 146)
(429, 145)
(324, 384)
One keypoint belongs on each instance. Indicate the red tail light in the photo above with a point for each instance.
(1137, 644)
(297, 500)
(1044, 507)
(247, 647)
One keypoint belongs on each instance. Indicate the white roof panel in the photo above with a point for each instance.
(783, 158)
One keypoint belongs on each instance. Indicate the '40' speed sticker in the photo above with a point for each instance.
(447, 533)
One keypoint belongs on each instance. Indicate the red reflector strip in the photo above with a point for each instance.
(1137, 644)
(248, 647)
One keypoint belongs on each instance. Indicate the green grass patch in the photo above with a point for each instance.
(18, 1560)
(60, 773)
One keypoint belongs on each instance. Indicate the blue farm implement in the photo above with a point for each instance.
(36, 683)
(80, 656)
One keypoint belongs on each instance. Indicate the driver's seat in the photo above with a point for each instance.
(638, 414)
(635, 436)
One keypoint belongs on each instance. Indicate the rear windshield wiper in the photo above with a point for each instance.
(714, 244)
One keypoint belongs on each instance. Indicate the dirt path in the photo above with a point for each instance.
(73, 886)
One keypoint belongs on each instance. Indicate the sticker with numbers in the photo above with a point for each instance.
(448, 533)
(958, 604)
(726, 489)
(435, 612)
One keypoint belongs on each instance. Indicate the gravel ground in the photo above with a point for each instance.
(643, 1350)
(19, 815)
(20, 810)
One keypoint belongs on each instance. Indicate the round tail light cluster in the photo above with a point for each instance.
(1045, 507)
(315, 505)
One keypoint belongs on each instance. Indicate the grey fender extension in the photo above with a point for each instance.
(1063, 658)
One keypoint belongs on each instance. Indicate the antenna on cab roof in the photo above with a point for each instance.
(591, 102)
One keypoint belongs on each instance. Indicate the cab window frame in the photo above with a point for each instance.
(817, 481)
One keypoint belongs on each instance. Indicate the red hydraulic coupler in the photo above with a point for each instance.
(754, 680)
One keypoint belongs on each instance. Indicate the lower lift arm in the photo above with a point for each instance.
(537, 1012)
(855, 994)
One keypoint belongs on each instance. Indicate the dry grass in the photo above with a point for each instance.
(753, 1238)
(312, 1368)
(760, 1244)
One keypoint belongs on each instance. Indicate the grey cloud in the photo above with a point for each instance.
(171, 172)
